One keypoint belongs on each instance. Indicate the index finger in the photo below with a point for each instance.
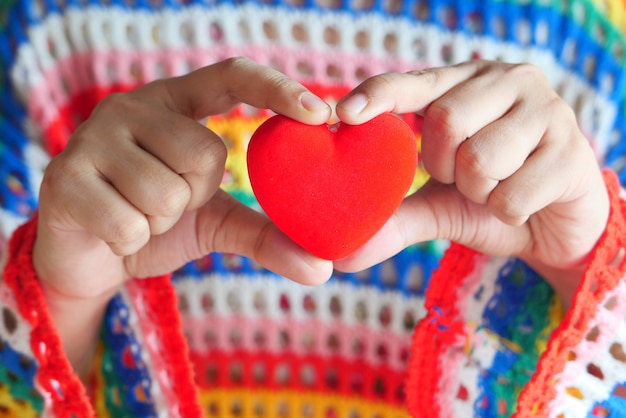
(388, 92)
(220, 87)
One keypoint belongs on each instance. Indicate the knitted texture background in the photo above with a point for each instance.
(423, 334)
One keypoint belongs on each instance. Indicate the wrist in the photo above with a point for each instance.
(608, 253)
(77, 322)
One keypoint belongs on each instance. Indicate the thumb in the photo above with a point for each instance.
(225, 225)
(437, 212)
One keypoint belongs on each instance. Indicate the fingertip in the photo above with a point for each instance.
(354, 103)
(312, 103)
(278, 253)
(316, 110)
(319, 271)
(351, 108)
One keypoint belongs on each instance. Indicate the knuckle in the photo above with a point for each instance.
(471, 159)
(173, 197)
(443, 119)
(208, 156)
(526, 71)
(430, 76)
(128, 233)
(61, 175)
(115, 106)
(232, 66)
(112, 101)
(382, 82)
(508, 205)
(235, 63)
(562, 112)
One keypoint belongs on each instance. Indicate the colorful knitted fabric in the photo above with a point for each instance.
(424, 335)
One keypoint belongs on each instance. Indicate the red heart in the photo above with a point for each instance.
(330, 188)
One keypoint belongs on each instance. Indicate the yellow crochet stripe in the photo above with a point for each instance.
(236, 403)
(99, 398)
(236, 133)
(556, 311)
(12, 408)
(614, 10)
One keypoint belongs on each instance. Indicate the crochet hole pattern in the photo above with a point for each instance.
(389, 41)
(341, 322)
(338, 355)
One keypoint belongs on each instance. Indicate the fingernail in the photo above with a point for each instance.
(355, 103)
(312, 102)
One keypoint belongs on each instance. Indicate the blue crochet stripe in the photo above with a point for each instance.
(613, 407)
(22, 367)
(17, 372)
(118, 337)
(506, 311)
(509, 315)
(408, 272)
(472, 17)
(16, 194)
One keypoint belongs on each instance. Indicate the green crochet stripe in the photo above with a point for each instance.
(539, 302)
(20, 390)
(4, 7)
(115, 397)
(599, 27)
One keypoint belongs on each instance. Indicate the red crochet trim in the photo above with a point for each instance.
(599, 278)
(162, 307)
(437, 331)
(441, 327)
(332, 374)
(67, 394)
(78, 108)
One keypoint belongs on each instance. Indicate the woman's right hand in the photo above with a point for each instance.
(136, 191)
(136, 194)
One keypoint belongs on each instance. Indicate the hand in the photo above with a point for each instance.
(136, 191)
(511, 173)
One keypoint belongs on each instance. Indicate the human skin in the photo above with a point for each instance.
(511, 172)
(136, 194)
(136, 191)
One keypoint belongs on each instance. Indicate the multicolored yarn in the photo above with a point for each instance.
(458, 336)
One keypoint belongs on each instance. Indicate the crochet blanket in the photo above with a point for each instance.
(425, 334)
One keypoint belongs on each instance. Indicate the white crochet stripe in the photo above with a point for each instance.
(147, 345)
(19, 336)
(101, 30)
(484, 348)
(479, 287)
(9, 222)
(35, 160)
(577, 389)
(228, 299)
(464, 362)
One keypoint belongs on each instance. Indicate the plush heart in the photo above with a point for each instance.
(331, 187)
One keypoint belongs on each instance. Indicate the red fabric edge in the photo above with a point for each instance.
(436, 331)
(353, 379)
(598, 279)
(430, 342)
(70, 398)
(162, 303)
